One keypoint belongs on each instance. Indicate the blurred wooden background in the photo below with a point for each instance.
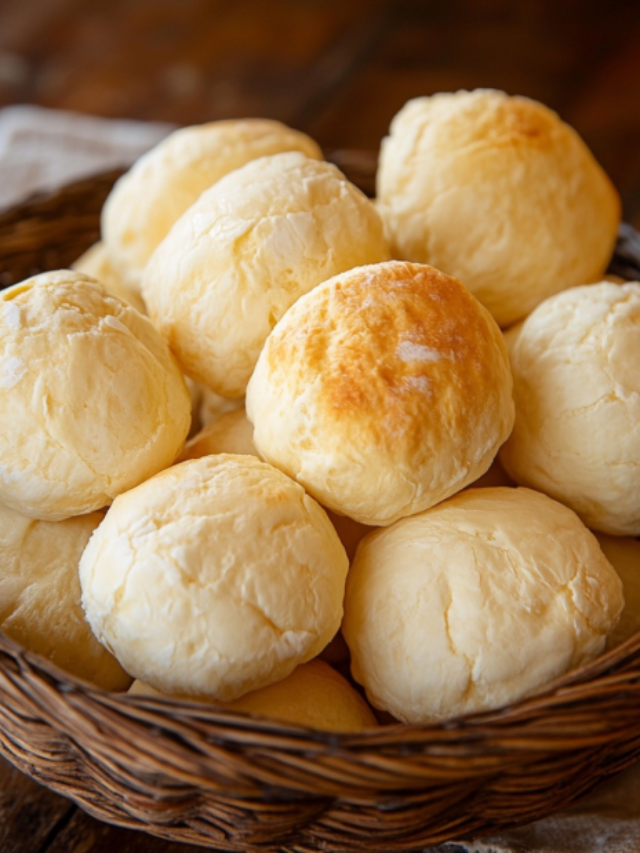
(338, 69)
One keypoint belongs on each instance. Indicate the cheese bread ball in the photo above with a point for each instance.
(91, 400)
(96, 264)
(230, 433)
(499, 192)
(216, 577)
(245, 252)
(212, 405)
(383, 391)
(314, 696)
(624, 555)
(576, 373)
(162, 184)
(40, 595)
(475, 603)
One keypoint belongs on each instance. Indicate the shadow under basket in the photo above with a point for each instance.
(227, 780)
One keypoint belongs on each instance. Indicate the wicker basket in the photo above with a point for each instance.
(227, 780)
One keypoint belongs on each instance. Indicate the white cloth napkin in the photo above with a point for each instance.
(42, 149)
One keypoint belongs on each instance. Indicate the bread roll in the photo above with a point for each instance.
(96, 264)
(576, 370)
(314, 696)
(383, 391)
(245, 252)
(500, 193)
(40, 595)
(91, 400)
(162, 184)
(475, 603)
(216, 577)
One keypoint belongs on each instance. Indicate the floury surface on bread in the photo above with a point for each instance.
(476, 603)
(216, 577)
(153, 195)
(245, 252)
(40, 595)
(576, 368)
(500, 193)
(383, 391)
(91, 400)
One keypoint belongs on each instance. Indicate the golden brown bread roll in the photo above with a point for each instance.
(383, 391)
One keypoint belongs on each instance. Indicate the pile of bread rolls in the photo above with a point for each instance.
(248, 446)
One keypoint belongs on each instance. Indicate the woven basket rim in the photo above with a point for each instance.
(609, 668)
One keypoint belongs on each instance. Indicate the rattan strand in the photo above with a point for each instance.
(230, 781)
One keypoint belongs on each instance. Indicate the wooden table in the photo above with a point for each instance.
(338, 69)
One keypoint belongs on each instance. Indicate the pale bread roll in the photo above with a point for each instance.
(245, 252)
(96, 264)
(314, 696)
(162, 184)
(576, 371)
(40, 595)
(476, 603)
(230, 433)
(383, 391)
(500, 193)
(624, 555)
(216, 577)
(91, 400)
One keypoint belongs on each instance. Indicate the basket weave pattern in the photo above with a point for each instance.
(188, 772)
